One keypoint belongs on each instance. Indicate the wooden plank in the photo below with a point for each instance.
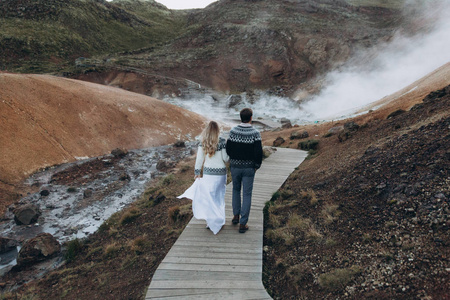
(195, 294)
(195, 267)
(180, 275)
(220, 284)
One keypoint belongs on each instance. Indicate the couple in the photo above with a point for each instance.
(244, 151)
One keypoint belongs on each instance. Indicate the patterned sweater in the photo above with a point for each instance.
(244, 147)
(214, 165)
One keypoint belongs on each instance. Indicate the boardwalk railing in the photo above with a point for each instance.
(228, 265)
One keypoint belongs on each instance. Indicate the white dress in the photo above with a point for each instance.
(208, 193)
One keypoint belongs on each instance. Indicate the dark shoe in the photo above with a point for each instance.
(235, 220)
(243, 228)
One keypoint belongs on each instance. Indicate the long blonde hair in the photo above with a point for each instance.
(210, 138)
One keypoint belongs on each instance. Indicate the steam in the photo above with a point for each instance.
(404, 60)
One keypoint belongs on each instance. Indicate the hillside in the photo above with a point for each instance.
(39, 36)
(230, 46)
(49, 120)
(237, 46)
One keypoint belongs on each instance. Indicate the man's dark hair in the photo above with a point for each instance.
(246, 115)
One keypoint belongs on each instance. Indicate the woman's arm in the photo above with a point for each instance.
(199, 161)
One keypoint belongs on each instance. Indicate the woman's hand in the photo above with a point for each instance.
(197, 176)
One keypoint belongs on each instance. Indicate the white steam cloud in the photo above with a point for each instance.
(404, 60)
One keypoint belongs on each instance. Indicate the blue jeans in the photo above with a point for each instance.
(242, 178)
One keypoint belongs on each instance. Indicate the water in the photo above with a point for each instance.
(69, 215)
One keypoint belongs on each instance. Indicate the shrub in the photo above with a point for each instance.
(139, 244)
(74, 247)
(330, 213)
(338, 278)
(111, 250)
(129, 216)
(168, 179)
(309, 145)
(174, 212)
(275, 196)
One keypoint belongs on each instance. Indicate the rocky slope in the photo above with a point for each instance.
(47, 120)
(367, 216)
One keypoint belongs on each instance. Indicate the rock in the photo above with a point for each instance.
(44, 192)
(286, 125)
(124, 176)
(344, 135)
(299, 135)
(179, 144)
(278, 141)
(395, 113)
(351, 126)
(40, 248)
(234, 100)
(26, 214)
(7, 245)
(119, 153)
(267, 151)
(87, 193)
(164, 165)
(335, 129)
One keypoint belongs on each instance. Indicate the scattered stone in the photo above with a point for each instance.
(286, 125)
(40, 248)
(124, 176)
(87, 193)
(26, 214)
(164, 165)
(44, 192)
(278, 141)
(179, 144)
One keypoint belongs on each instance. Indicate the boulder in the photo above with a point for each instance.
(351, 126)
(42, 247)
(299, 135)
(119, 153)
(335, 129)
(7, 245)
(395, 113)
(26, 214)
(286, 125)
(278, 141)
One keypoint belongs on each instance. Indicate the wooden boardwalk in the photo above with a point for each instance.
(228, 265)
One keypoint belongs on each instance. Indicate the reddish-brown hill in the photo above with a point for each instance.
(48, 120)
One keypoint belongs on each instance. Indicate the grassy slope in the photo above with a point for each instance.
(48, 42)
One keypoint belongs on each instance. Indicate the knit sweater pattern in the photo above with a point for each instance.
(244, 147)
(212, 165)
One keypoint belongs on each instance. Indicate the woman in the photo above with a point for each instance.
(208, 192)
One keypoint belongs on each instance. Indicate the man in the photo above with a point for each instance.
(245, 151)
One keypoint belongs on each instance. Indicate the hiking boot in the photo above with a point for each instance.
(243, 228)
(235, 220)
